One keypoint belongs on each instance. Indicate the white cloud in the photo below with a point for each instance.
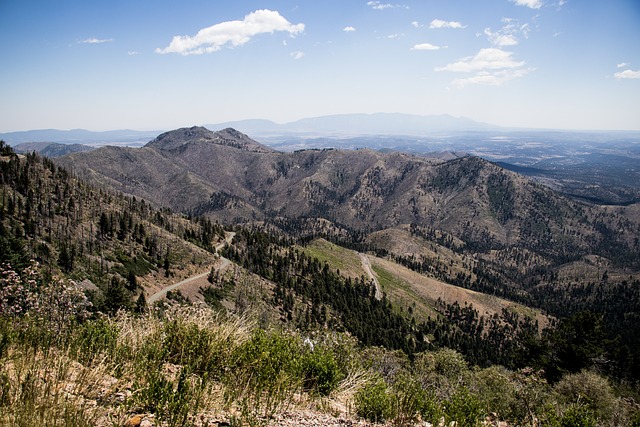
(377, 5)
(500, 38)
(234, 33)
(485, 59)
(427, 46)
(439, 23)
(133, 53)
(417, 24)
(627, 74)
(94, 40)
(509, 34)
(297, 54)
(491, 79)
(622, 65)
(533, 4)
(348, 29)
(395, 36)
(492, 66)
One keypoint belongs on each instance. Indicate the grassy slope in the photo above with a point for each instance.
(406, 288)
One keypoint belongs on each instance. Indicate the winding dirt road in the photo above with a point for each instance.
(366, 264)
(224, 263)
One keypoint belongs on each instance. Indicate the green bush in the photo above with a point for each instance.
(374, 402)
(172, 400)
(321, 371)
(197, 348)
(589, 389)
(265, 374)
(94, 339)
(498, 393)
(443, 370)
(577, 415)
(411, 401)
(464, 408)
(6, 332)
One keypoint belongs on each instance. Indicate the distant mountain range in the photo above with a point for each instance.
(343, 124)
(80, 136)
(597, 166)
(359, 124)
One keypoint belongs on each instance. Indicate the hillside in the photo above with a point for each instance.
(50, 149)
(295, 332)
(118, 245)
(227, 176)
(464, 221)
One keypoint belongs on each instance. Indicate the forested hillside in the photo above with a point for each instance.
(322, 337)
(71, 228)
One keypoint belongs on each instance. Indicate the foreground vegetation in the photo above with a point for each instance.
(186, 365)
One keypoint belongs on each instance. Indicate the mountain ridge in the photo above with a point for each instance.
(229, 176)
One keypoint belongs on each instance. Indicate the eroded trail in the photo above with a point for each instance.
(366, 264)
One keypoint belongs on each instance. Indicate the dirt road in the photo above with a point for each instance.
(221, 265)
(366, 264)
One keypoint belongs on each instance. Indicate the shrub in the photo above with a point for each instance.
(464, 408)
(577, 415)
(411, 401)
(172, 400)
(198, 349)
(588, 389)
(498, 393)
(94, 339)
(55, 303)
(443, 370)
(373, 401)
(321, 371)
(265, 374)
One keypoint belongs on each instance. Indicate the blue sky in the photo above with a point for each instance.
(157, 64)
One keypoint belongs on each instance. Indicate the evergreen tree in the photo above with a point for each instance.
(117, 297)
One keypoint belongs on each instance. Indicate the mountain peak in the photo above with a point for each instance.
(229, 137)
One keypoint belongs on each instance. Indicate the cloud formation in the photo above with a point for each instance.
(485, 59)
(297, 54)
(533, 4)
(622, 65)
(94, 40)
(377, 5)
(492, 66)
(627, 74)
(491, 79)
(427, 46)
(500, 38)
(439, 23)
(349, 29)
(508, 34)
(233, 33)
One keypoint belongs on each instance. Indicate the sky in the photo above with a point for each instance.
(159, 64)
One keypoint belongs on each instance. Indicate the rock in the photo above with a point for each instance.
(134, 421)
